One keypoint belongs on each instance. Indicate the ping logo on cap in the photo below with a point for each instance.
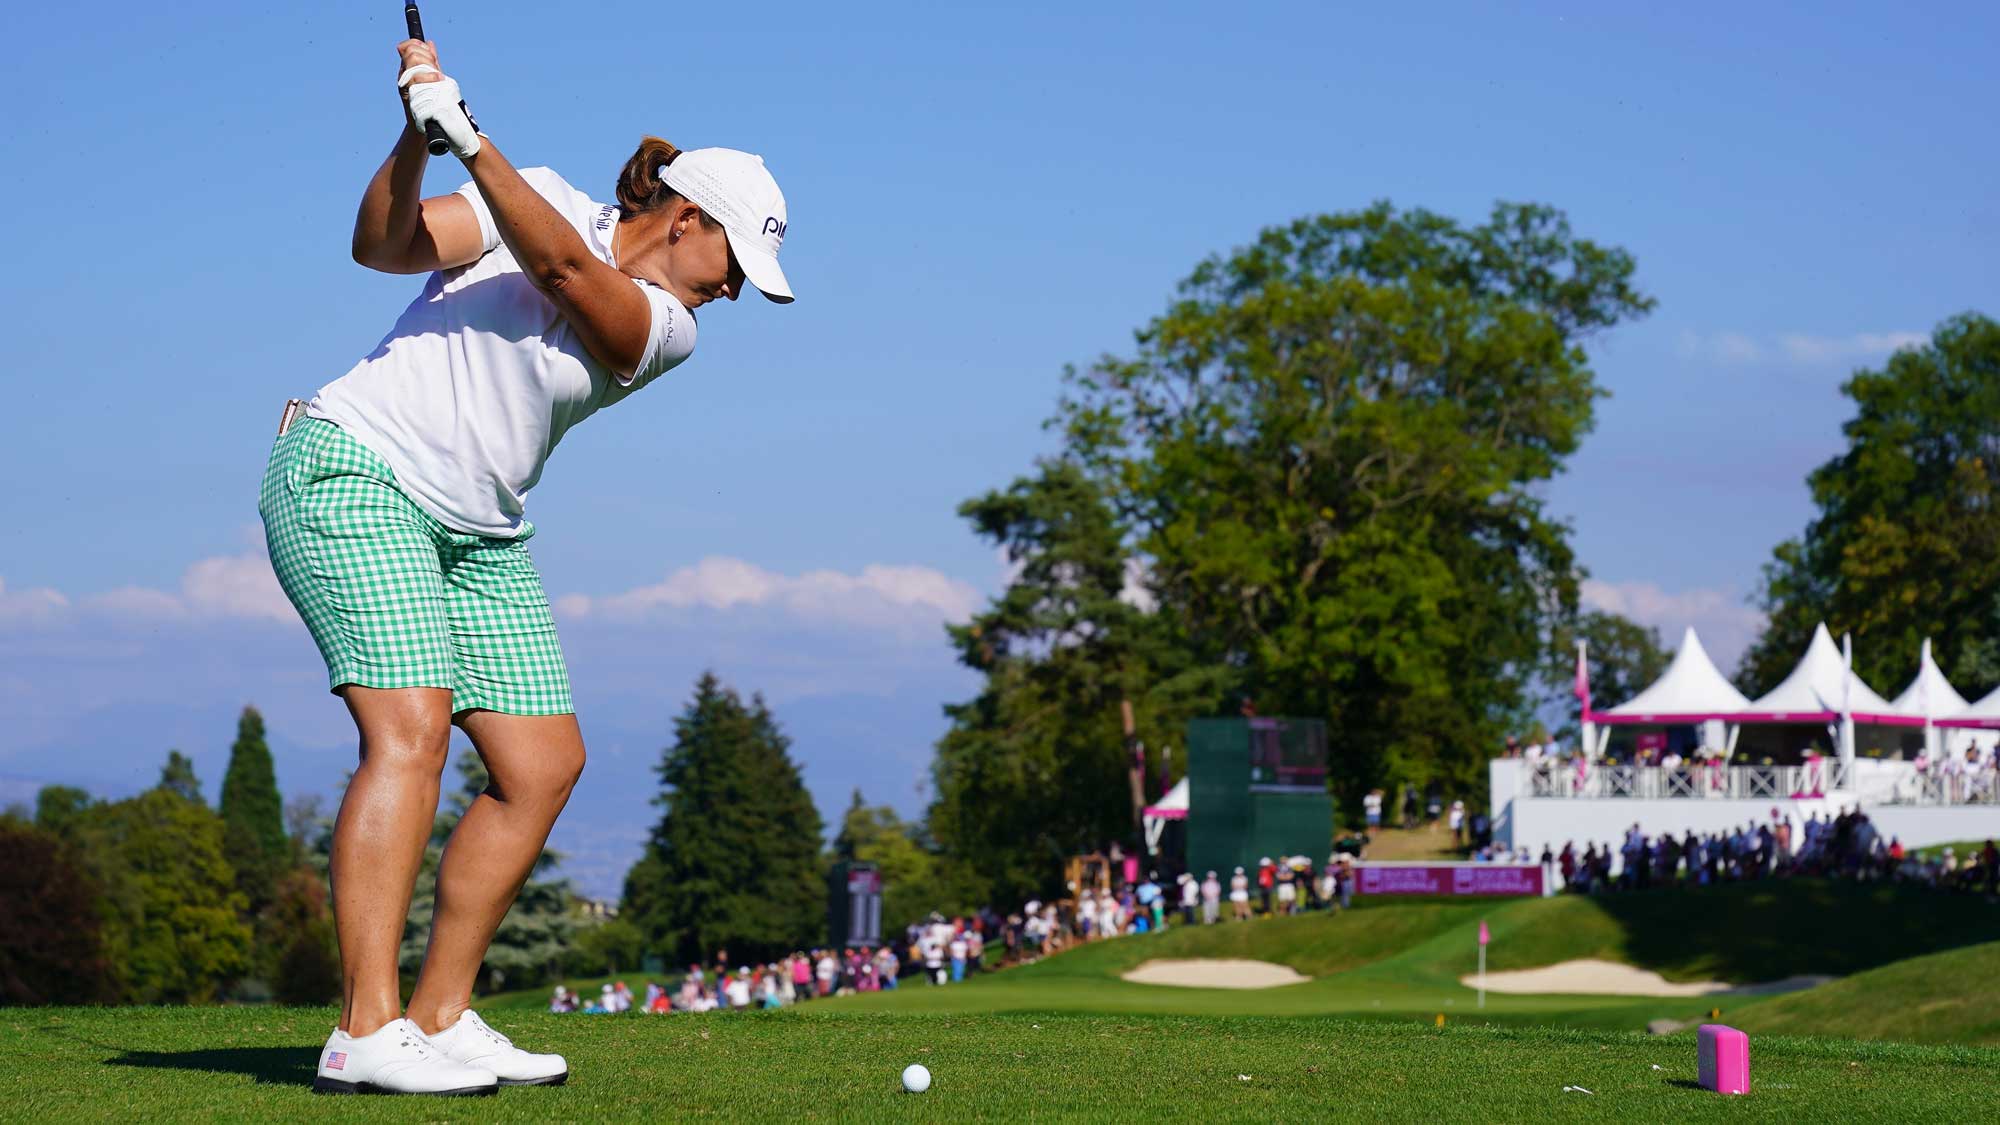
(773, 223)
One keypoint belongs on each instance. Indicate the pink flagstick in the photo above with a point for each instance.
(1485, 936)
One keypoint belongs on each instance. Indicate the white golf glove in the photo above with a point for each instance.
(439, 101)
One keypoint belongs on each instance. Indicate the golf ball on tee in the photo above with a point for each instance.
(916, 1079)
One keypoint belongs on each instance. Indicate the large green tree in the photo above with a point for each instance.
(1326, 459)
(1906, 542)
(735, 859)
(535, 933)
(173, 919)
(1034, 768)
(253, 814)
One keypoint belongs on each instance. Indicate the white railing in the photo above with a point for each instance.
(1937, 787)
(1696, 781)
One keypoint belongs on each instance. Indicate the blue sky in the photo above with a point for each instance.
(978, 196)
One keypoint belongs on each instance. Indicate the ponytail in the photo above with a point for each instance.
(642, 186)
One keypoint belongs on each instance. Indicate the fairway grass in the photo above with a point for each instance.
(244, 1064)
(1402, 961)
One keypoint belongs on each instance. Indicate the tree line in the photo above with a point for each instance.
(1314, 487)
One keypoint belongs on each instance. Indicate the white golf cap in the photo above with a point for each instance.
(737, 191)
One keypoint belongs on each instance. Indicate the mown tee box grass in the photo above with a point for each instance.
(256, 1064)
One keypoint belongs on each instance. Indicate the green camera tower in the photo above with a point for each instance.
(1256, 788)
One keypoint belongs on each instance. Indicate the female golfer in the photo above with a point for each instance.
(393, 510)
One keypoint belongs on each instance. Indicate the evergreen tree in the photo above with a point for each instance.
(177, 776)
(253, 834)
(534, 935)
(735, 859)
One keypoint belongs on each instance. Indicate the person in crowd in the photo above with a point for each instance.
(1239, 896)
(1149, 897)
(959, 949)
(1190, 896)
(1288, 891)
(1455, 820)
(1267, 883)
(933, 957)
(1211, 899)
(1371, 810)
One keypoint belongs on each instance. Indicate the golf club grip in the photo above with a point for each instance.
(434, 139)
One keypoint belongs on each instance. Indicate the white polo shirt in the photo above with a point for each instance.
(468, 395)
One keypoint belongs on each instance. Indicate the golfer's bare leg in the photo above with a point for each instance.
(378, 841)
(533, 761)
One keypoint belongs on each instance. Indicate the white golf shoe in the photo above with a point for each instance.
(471, 1042)
(397, 1059)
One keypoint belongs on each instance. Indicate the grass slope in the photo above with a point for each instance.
(256, 1064)
(1951, 997)
(1403, 960)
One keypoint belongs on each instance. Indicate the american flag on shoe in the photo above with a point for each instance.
(336, 1060)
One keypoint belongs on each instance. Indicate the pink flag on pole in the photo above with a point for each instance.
(1484, 936)
(1582, 679)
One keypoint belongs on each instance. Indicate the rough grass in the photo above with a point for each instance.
(242, 1064)
(1951, 997)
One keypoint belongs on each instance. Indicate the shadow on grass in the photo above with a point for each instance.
(278, 1066)
(1686, 1084)
(1774, 928)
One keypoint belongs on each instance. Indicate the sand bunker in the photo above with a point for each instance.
(1609, 978)
(1215, 973)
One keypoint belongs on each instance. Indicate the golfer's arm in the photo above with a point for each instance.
(608, 313)
(397, 231)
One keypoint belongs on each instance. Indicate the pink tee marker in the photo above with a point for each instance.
(1723, 1062)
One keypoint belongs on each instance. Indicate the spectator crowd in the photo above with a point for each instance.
(1846, 845)
(942, 951)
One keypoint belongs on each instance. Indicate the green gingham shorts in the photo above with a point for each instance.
(396, 599)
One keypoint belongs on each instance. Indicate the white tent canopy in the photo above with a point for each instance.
(1691, 690)
(1173, 806)
(1987, 708)
(1930, 695)
(1821, 687)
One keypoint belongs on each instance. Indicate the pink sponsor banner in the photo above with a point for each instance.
(1451, 879)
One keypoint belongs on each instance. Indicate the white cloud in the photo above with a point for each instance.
(1800, 348)
(237, 586)
(36, 605)
(1726, 625)
(1741, 349)
(879, 595)
(225, 586)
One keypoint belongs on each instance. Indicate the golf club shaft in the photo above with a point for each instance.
(434, 138)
